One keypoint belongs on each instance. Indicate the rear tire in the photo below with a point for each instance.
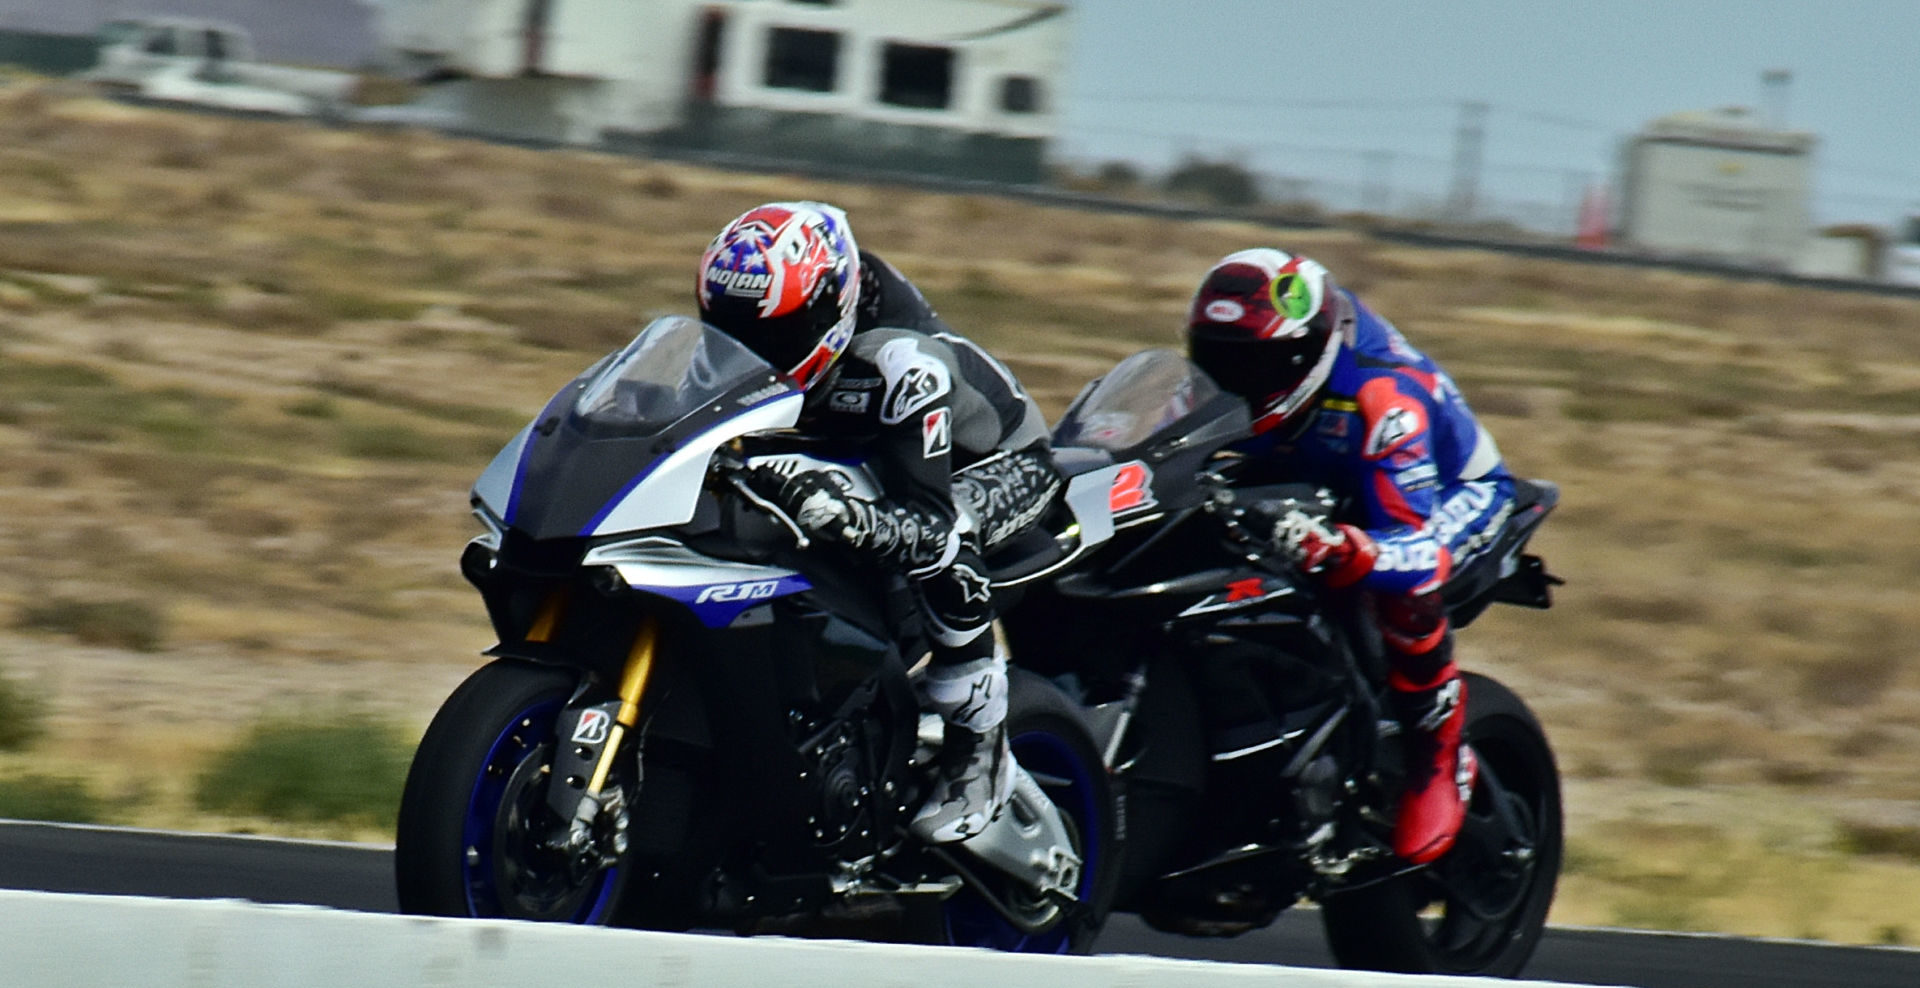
(1051, 741)
(1479, 909)
(474, 808)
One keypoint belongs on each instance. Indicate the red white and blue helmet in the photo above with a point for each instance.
(784, 279)
(1266, 325)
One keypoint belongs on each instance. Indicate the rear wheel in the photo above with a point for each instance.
(1052, 743)
(1481, 908)
(474, 817)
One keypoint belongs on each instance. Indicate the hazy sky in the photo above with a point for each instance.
(1309, 87)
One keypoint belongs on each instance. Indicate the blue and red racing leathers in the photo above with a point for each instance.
(1425, 481)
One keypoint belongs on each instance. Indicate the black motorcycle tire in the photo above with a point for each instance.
(1388, 926)
(1038, 713)
(477, 772)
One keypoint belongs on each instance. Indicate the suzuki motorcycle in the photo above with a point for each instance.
(696, 718)
(1243, 706)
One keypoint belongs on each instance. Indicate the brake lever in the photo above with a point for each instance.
(737, 478)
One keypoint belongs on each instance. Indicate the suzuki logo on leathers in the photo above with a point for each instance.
(721, 593)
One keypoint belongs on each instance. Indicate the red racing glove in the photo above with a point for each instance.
(1339, 554)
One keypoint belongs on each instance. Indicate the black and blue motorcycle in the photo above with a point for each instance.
(696, 719)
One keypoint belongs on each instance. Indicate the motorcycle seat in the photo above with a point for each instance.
(1477, 584)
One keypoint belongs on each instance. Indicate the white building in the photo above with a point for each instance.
(961, 87)
(1719, 184)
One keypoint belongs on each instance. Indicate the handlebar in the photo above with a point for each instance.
(733, 470)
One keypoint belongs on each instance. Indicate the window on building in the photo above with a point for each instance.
(161, 42)
(801, 59)
(917, 75)
(1020, 94)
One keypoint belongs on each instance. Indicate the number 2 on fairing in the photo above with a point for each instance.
(1132, 489)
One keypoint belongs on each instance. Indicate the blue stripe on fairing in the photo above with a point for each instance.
(646, 471)
(526, 457)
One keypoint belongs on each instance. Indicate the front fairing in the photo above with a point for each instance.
(625, 447)
(1161, 418)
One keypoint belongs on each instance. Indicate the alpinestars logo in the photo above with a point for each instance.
(936, 433)
(914, 379)
(1393, 427)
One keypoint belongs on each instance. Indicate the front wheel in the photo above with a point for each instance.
(474, 818)
(1481, 908)
(1050, 740)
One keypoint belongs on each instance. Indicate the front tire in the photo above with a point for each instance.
(1482, 907)
(474, 811)
(1050, 741)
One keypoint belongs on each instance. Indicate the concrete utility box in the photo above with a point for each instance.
(959, 87)
(1719, 184)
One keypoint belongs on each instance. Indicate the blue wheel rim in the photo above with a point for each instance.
(524, 734)
(970, 921)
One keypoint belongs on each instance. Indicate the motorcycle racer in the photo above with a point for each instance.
(881, 369)
(1341, 399)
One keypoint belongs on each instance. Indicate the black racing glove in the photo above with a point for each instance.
(899, 535)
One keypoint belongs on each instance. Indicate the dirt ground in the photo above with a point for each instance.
(248, 371)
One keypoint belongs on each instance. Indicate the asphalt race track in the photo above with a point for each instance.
(59, 858)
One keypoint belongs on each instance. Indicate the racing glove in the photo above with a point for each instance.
(1339, 554)
(898, 535)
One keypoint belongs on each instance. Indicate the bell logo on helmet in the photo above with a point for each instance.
(1225, 310)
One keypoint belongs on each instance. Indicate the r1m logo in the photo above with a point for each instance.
(721, 593)
(1132, 488)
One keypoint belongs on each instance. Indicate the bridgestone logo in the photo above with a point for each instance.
(738, 282)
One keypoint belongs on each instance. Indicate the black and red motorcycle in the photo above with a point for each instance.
(1180, 637)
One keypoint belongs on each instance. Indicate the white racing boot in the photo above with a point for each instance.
(975, 775)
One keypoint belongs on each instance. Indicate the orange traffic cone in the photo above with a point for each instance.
(1592, 231)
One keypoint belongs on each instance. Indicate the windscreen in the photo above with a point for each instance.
(1142, 395)
(672, 368)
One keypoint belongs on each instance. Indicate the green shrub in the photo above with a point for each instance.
(346, 768)
(23, 715)
(1855, 837)
(120, 623)
(1221, 183)
(44, 797)
(391, 442)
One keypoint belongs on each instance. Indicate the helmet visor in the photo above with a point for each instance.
(1264, 372)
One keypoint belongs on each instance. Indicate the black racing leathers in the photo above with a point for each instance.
(926, 402)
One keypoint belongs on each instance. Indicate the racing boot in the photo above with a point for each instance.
(975, 776)
(1439, 771)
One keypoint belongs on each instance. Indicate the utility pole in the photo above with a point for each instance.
(1775, 84)
(1468, 139)
(1376, 189)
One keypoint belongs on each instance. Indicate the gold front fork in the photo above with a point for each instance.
(633, 685)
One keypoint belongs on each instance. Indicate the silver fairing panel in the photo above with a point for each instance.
(668, 494)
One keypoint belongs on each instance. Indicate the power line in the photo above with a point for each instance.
(1258, 102)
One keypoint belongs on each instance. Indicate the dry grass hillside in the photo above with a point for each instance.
(247, 371)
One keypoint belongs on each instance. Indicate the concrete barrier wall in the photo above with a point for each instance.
(79, 941)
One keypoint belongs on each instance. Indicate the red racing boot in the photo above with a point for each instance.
(1439, 771)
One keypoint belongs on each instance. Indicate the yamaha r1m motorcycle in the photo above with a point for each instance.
(1258, 761)
(695, 718)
